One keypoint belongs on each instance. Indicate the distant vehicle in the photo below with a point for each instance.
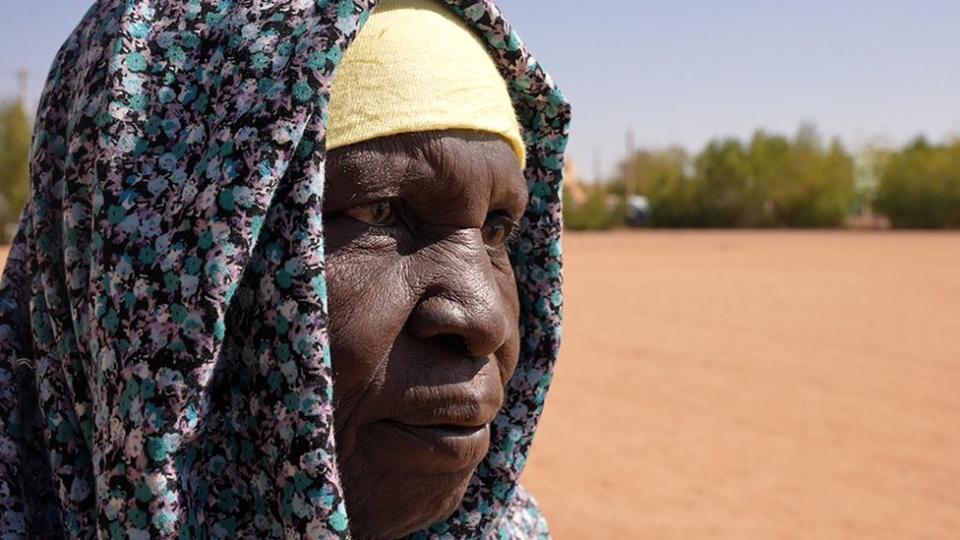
(638, 211)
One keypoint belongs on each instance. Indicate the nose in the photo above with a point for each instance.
(461, 303)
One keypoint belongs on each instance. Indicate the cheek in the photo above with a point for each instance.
(369, 305)
(508, 356)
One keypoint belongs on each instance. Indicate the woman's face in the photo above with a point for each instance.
(424, 317)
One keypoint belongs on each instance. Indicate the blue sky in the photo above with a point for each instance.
(683, 72)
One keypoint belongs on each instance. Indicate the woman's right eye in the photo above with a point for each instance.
(382, 213)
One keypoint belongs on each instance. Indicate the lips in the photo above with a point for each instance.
(446, 434)
(451, 411)
(438, 448)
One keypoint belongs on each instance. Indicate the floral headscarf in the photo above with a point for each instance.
(164, 365)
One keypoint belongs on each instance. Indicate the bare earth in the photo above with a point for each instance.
(754, 385)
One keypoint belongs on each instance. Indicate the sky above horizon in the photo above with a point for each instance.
(681, 73)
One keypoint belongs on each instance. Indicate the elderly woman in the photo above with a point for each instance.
(288, 269)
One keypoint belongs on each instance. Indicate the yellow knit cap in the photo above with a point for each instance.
(416, 67)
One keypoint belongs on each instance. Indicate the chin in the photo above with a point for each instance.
(399, 478)
(423, 502)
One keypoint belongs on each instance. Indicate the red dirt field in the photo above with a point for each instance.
(754, 385)
(744, 385)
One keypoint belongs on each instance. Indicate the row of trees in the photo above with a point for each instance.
(768, 181)
(776, 181)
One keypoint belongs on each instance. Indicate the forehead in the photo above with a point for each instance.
(473, 167)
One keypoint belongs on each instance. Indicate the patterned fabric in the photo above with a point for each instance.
(164, 369)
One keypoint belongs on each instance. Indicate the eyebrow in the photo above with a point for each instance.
(383, 168)
(490, 169)
(361, 173)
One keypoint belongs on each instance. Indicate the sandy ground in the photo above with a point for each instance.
(755, 385)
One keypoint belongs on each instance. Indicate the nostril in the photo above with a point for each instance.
(473, 325)
(455, 342)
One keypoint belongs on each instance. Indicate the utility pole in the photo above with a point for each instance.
(629, 172)
(597, 166)
(23, 81)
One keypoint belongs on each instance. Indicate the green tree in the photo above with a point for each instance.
(920, 186)
(15, 131)
(724, 188)
(816, 186)
(771, 178)
(774, 182)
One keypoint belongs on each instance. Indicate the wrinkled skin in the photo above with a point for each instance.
(424, 317)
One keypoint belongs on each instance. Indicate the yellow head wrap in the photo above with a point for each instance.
(416, 67)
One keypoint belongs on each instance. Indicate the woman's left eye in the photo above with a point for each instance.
(378, 214)
(497, 230)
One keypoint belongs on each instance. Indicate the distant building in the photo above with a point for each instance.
(572, 182)
(866, 173)
(867, 169)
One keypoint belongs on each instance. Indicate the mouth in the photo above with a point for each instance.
(438, 448)
(438, 431)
